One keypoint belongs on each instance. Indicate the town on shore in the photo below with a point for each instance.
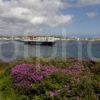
(41, 38)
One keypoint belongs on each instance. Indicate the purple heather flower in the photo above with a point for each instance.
(25, 74)
(36, 77)
(72, 71)
(53, 93)
(22, 76)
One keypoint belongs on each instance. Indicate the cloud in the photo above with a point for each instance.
(88, 2)
(38, 20)
(81, 3)
(22, 15)
(60, 20)
(91, 15)
(19, 16)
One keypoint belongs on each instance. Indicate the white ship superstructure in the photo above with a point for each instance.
(39, 40)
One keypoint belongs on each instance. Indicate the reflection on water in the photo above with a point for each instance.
(14, 50)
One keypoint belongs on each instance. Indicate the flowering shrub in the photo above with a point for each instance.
(72, 71)
(50, 81)
(25, 74)
(53, 93)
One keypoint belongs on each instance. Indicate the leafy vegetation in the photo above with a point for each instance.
(49, 79)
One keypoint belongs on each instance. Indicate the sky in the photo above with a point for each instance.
(56, 17)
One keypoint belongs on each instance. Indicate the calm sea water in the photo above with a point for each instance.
(13, 50)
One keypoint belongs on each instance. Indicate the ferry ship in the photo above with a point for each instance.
(40, 40)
